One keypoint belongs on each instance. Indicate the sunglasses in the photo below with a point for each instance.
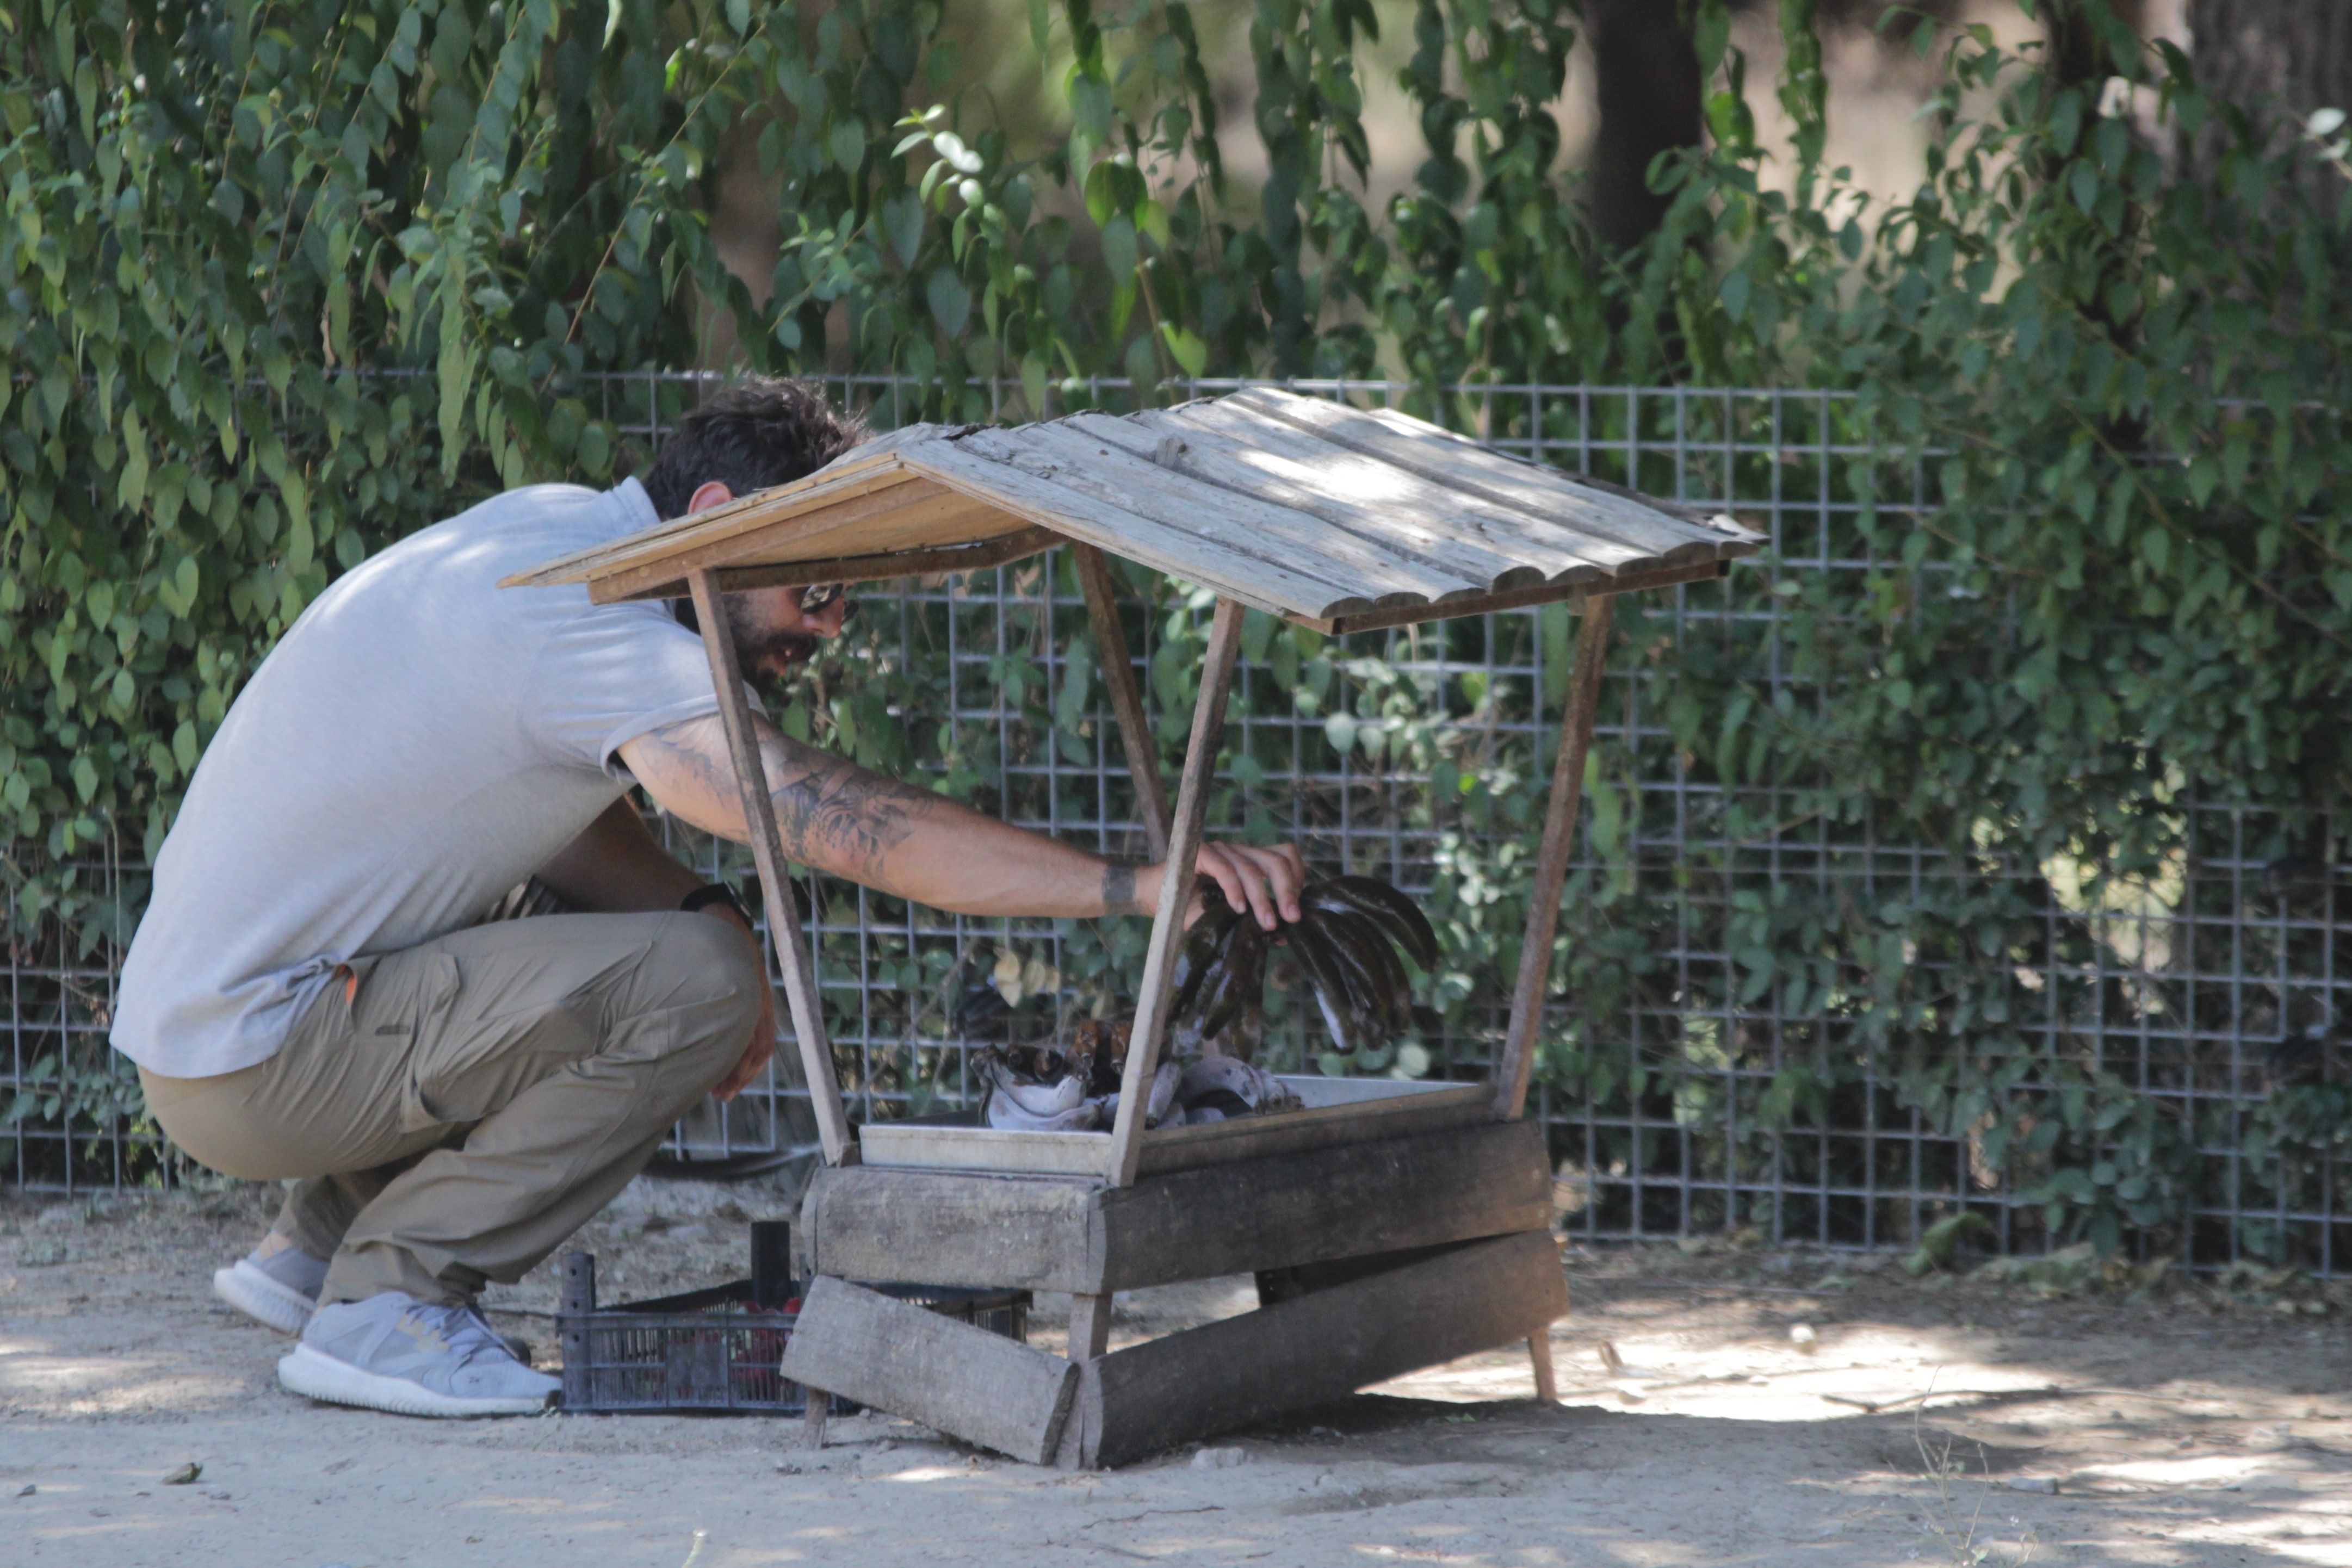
(821, 596)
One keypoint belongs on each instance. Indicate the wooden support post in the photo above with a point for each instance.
(1126, 696)
(818, 1406)
(776, 884)
(1089, 1338)
(1540, 1356)
(1175, 892)
(1089, 1326)
(1551, 860)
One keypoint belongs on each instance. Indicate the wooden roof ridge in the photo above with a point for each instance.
(1314, 510)
(867, 466)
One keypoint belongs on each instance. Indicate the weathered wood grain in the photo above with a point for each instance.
(1494, 546)
(1517, 598)
(1318, 1347)
(1304, 1208)
(919, 1227)
(1247, 525)
(1295, 505)
(870, 466)
(910, 1362)
(919, 515)
(1001, 551)
(1484, 1180)
(1204, 543)
(1456, 460)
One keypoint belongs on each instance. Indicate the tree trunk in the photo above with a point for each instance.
(1649, 103)
(2075, 54)
(2289, 57)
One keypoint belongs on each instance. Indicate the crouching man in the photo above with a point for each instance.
(314, 995)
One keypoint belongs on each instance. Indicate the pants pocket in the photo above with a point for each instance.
(517, 1025)
(404, 1006)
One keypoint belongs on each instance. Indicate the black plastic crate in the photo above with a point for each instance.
(716, 1350)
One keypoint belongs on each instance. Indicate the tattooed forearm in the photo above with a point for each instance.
(830, 813)
(898, 838)
(841, 816)
(684, 762)
(1118, 888)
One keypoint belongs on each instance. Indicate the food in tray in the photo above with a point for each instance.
(1345, 944)
(1075, 1088)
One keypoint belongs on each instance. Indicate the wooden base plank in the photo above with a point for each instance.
(1318, 1347)
(1039, 1233)
(1488, 1179)
(912, 1362)
(930, 1228)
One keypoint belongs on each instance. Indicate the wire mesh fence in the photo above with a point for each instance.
(2192, 991)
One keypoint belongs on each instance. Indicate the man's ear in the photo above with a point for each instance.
(708, 496)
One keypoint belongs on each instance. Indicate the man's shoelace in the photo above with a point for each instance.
(465, 1331)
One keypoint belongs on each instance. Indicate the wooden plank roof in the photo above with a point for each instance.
(1329, 515)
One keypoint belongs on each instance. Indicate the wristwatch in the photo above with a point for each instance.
(711, 893)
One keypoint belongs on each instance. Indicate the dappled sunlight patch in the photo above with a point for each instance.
(931, 1473)
(36, 1381)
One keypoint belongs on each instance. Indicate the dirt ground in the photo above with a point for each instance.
(1951, 1420)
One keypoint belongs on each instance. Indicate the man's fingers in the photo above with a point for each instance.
(1285, 874)
(1264, 881)
(1239, 873)
(1215, 863)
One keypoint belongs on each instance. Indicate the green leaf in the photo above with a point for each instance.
(1119, 247)
(1191, 354)
(950, 301)
(847, 142)
(902, 221)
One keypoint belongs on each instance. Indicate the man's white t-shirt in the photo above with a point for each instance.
(420, 741)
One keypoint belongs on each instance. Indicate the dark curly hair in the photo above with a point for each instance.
(756, 435)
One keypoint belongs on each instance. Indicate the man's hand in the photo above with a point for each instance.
(1264, 881)
(763, 1031)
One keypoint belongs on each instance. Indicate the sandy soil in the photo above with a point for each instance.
(2180, 1425)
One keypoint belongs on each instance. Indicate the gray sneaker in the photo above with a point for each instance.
(278, 1288)
(396, 1353)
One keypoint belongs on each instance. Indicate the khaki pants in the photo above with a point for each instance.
(455, 1109)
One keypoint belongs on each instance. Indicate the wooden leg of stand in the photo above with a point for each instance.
(1158, 987)
(1126, 696)
(819, 1405)
(776, 884)
(1539, 1353)
(1551, 860)
(1089, 1338)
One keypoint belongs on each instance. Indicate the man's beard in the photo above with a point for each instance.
(777, 652)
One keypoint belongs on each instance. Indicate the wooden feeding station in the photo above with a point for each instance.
(1392, 1226)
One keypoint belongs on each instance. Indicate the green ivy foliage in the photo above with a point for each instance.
(286, 280)
(282, 283)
